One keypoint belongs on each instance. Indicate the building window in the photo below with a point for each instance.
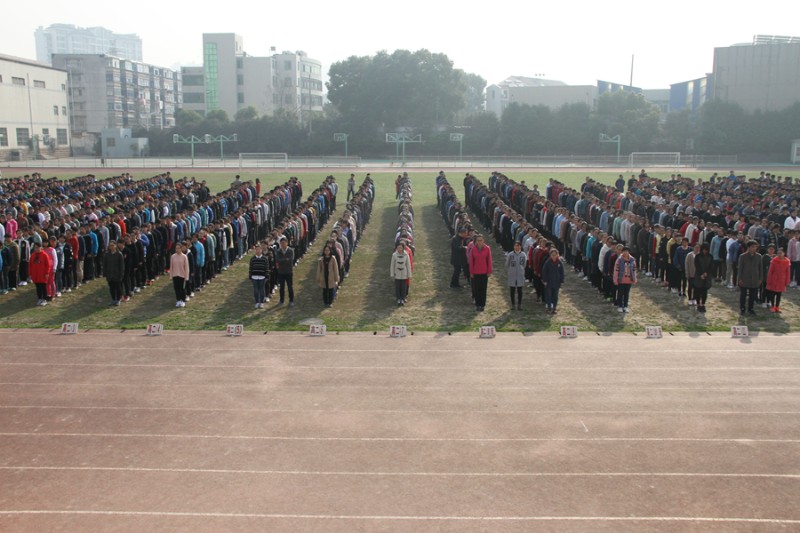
(64, 110)
(23, 136)
(17, 81)
(3, 136)
(55, 110)
(194, 98)
(61, 136)
(39, 84)
(111, 142)
(239, 79)
(63, 86)
(287, 65)
(239, 63)
(240, 98)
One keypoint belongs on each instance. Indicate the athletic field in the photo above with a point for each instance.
(366, 300)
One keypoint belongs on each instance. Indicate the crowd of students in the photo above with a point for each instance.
(681, 233)
(401, 267)
(69, 232)
(333, 265)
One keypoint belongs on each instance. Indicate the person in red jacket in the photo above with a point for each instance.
(480, 268)
(778, 278)
(39, 268)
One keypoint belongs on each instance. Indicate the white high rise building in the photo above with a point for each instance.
(69, 39)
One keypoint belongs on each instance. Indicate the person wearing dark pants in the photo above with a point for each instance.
(114, 270)
(458, 257)
(480, 268)
(704, 268)
(400, 272)
(179, 271)
(750, 273)
(624, 277)
(327, 275)
(552, 279)
(515, 269)
(284, 258)
(258, 276)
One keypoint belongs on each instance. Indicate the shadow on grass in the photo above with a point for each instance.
(380, 286)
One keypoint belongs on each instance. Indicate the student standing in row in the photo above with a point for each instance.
(179, 272)
(624, 273)
(480, 268)
(284, 258)
(515, 269)
(114, 271)
(552, 279)
(400, 272)
(258, 276)
(704, 268)
(327, 275)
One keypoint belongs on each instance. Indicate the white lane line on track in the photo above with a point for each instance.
(419, 368)
(398, 474)
(394, 411)
(533, 387)
(700, 519)
(394, 439)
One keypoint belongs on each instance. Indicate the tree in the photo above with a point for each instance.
(187, 118)
(474, 86)
(245, 114)
(403, 89)
(629, 115)
(722, 128)
(217, 117)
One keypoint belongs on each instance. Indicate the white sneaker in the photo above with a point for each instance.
(627, 310)
(183, 304)
(620, 309)
(178, 304)
(58, 295)
(23, 283)
(44, 302)
(793, 284)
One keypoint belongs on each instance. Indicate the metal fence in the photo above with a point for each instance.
(490, 162)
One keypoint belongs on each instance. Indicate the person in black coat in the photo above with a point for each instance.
(458, 257)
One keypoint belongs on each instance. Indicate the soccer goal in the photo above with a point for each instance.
(654, 159)
(264, 160)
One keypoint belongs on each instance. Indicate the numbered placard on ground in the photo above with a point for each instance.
(487, 332)
(397, 331)
(740, 331)
(234, 330)
(569, 332)
(317, 330)
(154, 330)
(69, 328)
(653, 332)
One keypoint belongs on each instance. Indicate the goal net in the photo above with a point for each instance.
(264, 160)
(654, 159)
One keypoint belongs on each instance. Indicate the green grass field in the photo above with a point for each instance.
(366, 299)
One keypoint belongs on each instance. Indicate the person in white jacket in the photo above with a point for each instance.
(400, 272)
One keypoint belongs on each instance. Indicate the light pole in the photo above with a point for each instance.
(341, 137)
(604, 138)
(208, 138)
(458, 138)
(178, 139)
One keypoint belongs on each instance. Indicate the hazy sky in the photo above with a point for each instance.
(576, 42)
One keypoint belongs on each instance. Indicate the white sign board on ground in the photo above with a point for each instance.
(569, 332)
(154, 330)
(69, 328)
(487, 332)
(653, 332)
(740, 331)
(317, 330)
(397, 331)
(234, 330)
